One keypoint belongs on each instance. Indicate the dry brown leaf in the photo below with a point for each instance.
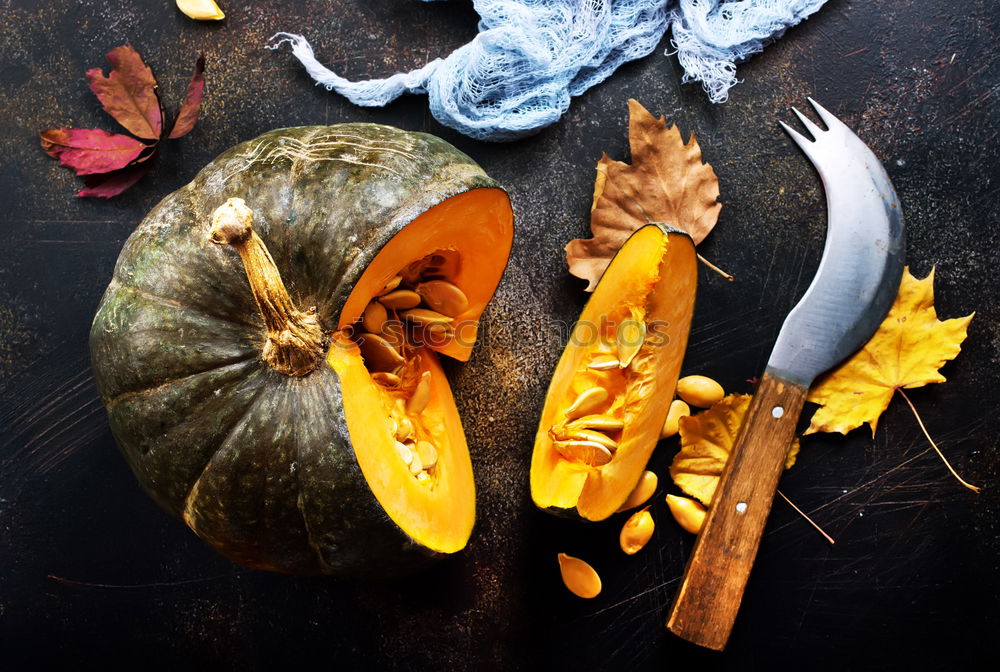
(666, 182)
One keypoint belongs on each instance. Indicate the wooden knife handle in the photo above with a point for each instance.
(709, 597)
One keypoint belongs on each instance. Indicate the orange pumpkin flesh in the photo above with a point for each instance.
(652, 281)
(474, 231)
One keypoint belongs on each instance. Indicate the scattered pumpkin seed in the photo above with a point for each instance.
(421, 395)
(700, 391)
(579, 577)
(379, 354)
(678, 409)
(587, 452)
(643, 490)
(428, 454)
(604, 423)
(425, 316)
(637, 531)
(424, 477)
(589, 401)
(400, 299)
(443, 296)
(689, 513)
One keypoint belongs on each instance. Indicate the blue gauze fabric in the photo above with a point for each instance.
(532, 56)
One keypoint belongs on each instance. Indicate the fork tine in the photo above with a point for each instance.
(815, 130)
(827, 117)
(804, 143)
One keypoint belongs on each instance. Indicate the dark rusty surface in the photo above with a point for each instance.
(92, 573)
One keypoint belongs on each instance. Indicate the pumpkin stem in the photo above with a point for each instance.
(294, 343)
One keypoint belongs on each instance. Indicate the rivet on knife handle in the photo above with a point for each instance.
(712, 589)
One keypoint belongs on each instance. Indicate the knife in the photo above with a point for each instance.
(854, 287)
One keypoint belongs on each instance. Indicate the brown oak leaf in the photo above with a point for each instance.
(666, 182)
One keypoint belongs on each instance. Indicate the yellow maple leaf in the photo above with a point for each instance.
(906, 351)
(706, 441)
(666, 182)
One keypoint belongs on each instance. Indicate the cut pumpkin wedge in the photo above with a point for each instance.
(640, 315)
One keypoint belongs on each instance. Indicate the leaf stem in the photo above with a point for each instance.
(808, 519)
(727, 276)
(934, 445)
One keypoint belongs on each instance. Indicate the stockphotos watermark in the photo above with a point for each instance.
(628, 333)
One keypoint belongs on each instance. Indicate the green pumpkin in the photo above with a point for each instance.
(261, 464)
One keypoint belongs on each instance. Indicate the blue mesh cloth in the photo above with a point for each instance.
(532, 56)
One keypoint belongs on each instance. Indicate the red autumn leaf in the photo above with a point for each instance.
(111, 162)
(111, 184)
(129, 93)
(187, 115)
(91, 150)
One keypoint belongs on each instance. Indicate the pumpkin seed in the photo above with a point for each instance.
(404, 429)
(631, 334)
(394, 332)
(604, 423)
(596, 437)
(421, 395)
(437, 334)
(428, 454)
(689, 513)
(643, 490)
(425, 316)
(391, 285)
(379, 354)
(386, 379)
(424, 477)
(374, 317)
(416, 466)
(700, 391)
(588, 402)
(400, 299)
(636, 532)
(604, 363)
(579, 577)
(443, 296)
(588, 452)
(678, 410)
(405, 452)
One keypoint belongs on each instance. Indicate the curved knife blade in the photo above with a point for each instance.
(862, 262)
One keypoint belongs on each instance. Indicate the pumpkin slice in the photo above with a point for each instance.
(611, 390)
(267, 349)
(411, 403)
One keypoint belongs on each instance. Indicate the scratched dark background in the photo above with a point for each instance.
(93, 574)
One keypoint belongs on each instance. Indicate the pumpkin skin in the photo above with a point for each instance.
(260, 464)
